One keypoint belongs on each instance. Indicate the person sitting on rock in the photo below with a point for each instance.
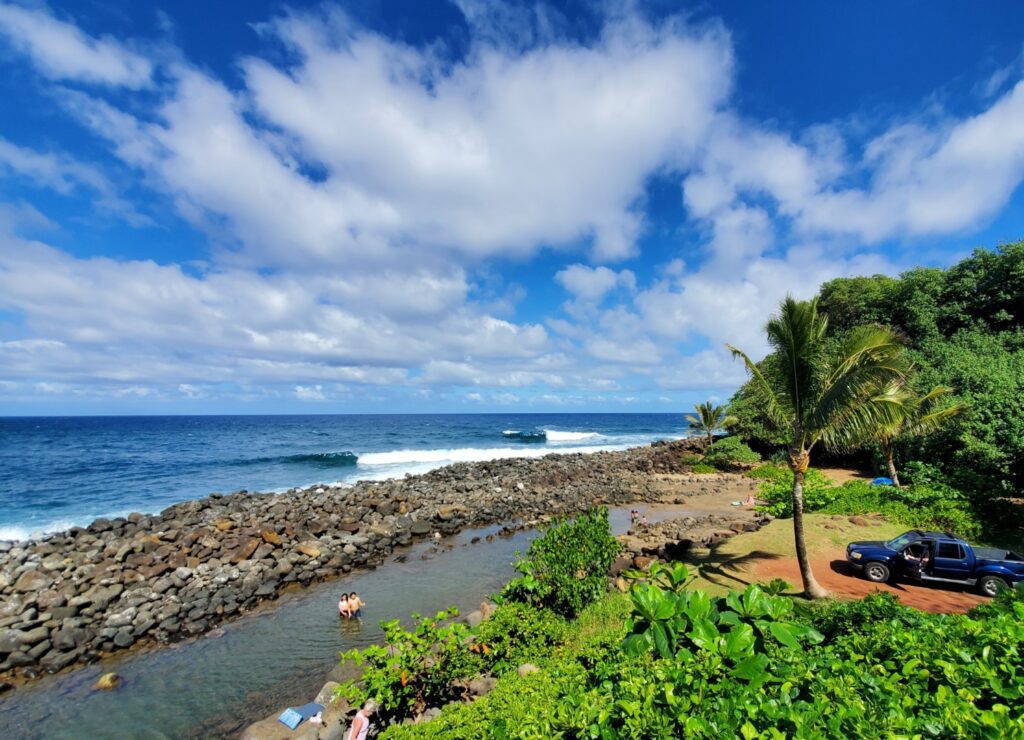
(749, 502)
(355, 606)
(344, 606)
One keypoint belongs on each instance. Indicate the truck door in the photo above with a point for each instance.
(951, 561)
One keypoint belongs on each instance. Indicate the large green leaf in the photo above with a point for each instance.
(738, 642)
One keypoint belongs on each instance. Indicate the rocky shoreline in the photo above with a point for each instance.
(74, 597)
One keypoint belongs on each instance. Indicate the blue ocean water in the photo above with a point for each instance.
(56, 472)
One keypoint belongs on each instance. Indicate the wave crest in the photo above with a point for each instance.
(556, 436)
(518, 436)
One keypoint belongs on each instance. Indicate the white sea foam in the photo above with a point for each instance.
(556, 436)
(468, 454)
(18, 532)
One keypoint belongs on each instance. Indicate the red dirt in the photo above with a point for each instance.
(833, 572)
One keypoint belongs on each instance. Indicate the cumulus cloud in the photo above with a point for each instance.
(365, 145)
(358, 193)
(591, 284)
(62, 51)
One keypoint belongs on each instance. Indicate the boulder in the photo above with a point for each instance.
(271, 537)
(32, 581)
(107, 682)
(421, 528)
(310, 549)
(326, 694)
(481, 685)
(246, 547)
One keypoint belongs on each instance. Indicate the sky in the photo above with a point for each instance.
(420, 206)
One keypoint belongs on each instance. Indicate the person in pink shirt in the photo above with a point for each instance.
(361, 722)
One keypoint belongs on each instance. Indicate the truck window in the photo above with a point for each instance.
(950, 550)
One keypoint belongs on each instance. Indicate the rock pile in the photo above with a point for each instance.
(75, 596)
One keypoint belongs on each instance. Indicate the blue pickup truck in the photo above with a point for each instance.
(936, 557)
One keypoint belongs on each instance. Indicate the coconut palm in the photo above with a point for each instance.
(915, 416)
(708, 420)
(833, 395)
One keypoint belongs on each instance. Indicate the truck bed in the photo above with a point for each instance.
(991, 553)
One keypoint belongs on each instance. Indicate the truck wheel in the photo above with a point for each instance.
(876, 572)
(991, 585)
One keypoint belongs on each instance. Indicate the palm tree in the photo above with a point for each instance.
(708, 420)
(824, 394)
(915, 416)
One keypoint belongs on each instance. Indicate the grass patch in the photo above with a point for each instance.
(729, 565)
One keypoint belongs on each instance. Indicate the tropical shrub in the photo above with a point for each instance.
(414, 668)
(703, 469)
(932, 506)
(676, 622)
(729, 453)
(882, 670)
(566, 568)
(517, 633)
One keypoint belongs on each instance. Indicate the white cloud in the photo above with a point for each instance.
(310, 393)
(591, 284)
(61, 51)
(496, 154)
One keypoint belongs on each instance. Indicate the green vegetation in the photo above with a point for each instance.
(915, 416)
(929, 505)
(708, 421)
(836, 394)
(566, 569)
(963, 328)
(702, 468)
(515, 634)
(753, 665)
(415, 668)
(730, 453)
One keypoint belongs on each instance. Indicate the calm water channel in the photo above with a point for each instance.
(214, 686)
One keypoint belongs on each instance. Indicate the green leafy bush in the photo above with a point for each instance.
(932, 506)
(729, 453)
(703, 469)
(883, 670)
(414, 668)
(515, 634)
(566, 568)
(835, 618)
(690, 459)
(777, 490)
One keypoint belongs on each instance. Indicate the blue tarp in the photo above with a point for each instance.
(882, 482)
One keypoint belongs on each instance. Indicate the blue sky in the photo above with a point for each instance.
(253, 207)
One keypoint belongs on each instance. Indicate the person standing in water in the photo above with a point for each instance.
(344, 608)
(355, 606)
(361, 722)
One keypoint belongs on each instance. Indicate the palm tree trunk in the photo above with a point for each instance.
(890, 461)
(812, 589)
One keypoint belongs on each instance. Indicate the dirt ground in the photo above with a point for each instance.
(833, 573)
(839, 476)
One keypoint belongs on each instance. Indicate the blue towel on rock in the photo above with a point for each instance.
(292, 717)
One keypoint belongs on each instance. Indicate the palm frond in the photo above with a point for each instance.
(773, 408)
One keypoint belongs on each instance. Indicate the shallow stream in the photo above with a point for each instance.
(217, 684)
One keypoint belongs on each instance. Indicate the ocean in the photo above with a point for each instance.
(59, 472)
